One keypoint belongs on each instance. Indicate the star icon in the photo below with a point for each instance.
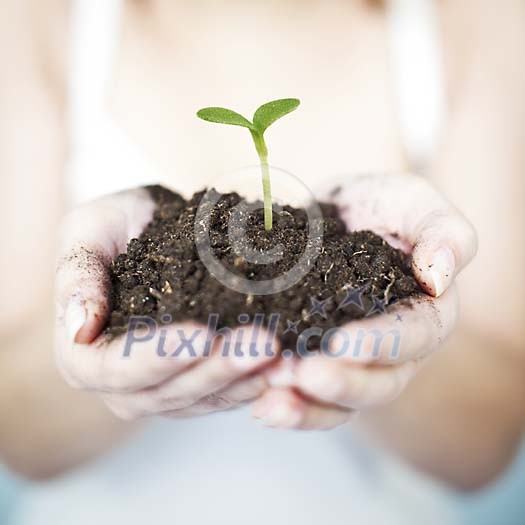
(292, 326)
(353, 296)
(399, 318)
(378, 306)
(318, 307)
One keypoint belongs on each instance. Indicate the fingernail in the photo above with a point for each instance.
(75, 318)
(442, 269)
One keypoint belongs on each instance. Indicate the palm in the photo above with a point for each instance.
(144, 384)
(411, 215)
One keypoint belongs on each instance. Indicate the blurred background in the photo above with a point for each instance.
(100, 95)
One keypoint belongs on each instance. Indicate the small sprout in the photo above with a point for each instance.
(263, 118)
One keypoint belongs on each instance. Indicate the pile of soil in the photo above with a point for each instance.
(161, 272)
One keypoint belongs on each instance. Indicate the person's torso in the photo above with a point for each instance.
(134, 123)
(170, 59)
(225, 469)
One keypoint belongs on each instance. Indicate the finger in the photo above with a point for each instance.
(237, 394)
(85, 285)
(281, 373)
(409, 330)
(444, 243)
(91, 238)
(244, 390)
(141, 358)
(356, 387)
(284, 408)
(211, 376)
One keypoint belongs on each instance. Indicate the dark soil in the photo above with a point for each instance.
(161, 272)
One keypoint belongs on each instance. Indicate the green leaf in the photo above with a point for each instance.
(224, 116)
(268, 113)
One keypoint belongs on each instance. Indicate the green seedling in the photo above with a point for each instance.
(263, 118)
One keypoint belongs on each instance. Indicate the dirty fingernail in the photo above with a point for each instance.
(75, 318)
(442, 270)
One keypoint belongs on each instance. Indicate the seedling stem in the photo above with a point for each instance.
(263, 118)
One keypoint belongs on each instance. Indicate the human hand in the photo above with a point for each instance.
(323, 392)
(145, 383)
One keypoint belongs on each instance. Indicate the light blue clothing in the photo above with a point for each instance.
(224, 468)
(10, 488)
(503, 503)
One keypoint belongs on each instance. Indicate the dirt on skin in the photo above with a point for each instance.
(354, 275)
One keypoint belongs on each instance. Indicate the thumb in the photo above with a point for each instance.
(83, 287)
(444, 243)
(82, 282)
(92, 236)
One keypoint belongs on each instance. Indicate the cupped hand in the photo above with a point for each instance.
(177, 382)
(325, 391)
